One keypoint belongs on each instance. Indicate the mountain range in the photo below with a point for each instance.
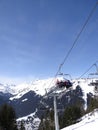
(30, 99)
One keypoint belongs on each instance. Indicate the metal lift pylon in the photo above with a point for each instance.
(56, 113)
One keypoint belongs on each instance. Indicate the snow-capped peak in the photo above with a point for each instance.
(41, 86)
(38, 86)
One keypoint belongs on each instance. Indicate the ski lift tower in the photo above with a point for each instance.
(55, 94)
(56, 113)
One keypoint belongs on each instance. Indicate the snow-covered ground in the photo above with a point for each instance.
(30, 121)
(88, 122)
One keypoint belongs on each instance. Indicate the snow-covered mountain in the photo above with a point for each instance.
(86, 87)
(26, 98)
(6, 88)
(38, 86)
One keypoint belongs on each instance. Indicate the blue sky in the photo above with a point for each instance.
(35, 36)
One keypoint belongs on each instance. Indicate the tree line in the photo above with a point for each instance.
(8, 118)
(71, 115)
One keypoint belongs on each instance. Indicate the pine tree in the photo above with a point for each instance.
(22, 126)
(47, 122)
(93, 104)
(70, 116)
(7, 118)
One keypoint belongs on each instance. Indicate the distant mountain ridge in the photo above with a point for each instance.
(40, 87)
(18, 91)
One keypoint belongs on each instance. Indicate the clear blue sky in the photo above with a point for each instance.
(35, 36)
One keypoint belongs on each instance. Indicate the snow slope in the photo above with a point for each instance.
(88, 122)
(30, 121)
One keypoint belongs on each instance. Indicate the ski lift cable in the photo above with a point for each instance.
(77, 37)
(96, 67)
(88, 70)
(75, 41)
